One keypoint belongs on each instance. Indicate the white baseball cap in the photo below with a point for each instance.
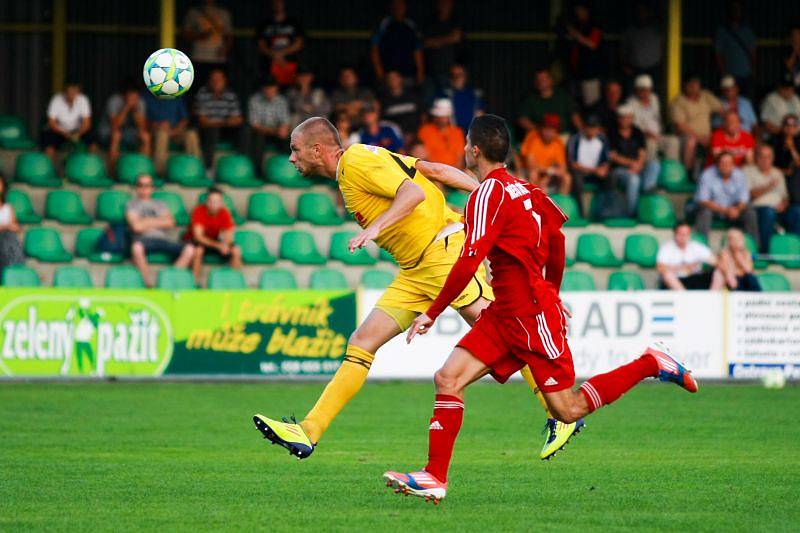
(442, 107)
(727, 82)
(643, 81)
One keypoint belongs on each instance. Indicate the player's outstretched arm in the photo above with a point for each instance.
(447, 175)
(409, 196)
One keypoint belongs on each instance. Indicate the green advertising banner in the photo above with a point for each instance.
(100, 332)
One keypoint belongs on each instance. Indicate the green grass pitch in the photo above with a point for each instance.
(166, 456)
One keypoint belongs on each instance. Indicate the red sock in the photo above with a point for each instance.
(448, 411)
(605, 388)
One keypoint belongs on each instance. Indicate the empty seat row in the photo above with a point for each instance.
(653, 209)
(128, 277)
(576, 280)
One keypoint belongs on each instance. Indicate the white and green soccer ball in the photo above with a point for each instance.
(168, 73)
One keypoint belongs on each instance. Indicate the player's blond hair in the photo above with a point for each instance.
(319, 130)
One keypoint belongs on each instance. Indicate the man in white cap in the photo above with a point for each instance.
(443, 141)
(647, 117)
(732, 100)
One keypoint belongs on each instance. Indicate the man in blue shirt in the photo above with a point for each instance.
(378, 132)
(168, 120)
(731, 99)
(723, 194)
(467, 100)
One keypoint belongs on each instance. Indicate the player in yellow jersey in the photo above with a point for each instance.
(392, 198)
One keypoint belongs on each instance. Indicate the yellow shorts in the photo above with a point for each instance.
(414, 289)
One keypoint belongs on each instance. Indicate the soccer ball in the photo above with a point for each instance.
(168, 73)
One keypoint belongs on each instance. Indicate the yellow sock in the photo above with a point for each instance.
(526, 373)
(342, 387)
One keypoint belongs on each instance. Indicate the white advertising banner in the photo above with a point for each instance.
(607, 329)
(764, 334)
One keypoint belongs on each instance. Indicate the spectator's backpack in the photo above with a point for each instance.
(114, 240)
(609, 204)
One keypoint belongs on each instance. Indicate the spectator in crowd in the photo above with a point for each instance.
(792, 61)
(735, 46)
(629, 164)
(544, 156)
(680, 262)
(467, 100)
(280, 38)
(346, 132)
(443, 141)
(690, 113)
(268, 118)
(779, 103)
(588, 157)
(349, 97)
(218, 115)
(211, 233)
(722, 194)
(731, 100)
(769, 197)
(125, 123)
(210, 31)
(168, 120)
(10, 248)
(306, 100)
(735, 266)
(642, 47)
(548, 99)
(149, 221)
(397, 45)
(606, 108)
(647, 117)
(401, 104)
(69, 120)
(786, 145)
(733, 139)
(377, 132)
(587, 65)
(443, 35)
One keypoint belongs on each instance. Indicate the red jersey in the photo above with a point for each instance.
(518, 228)
(212, 224)
(738, 146)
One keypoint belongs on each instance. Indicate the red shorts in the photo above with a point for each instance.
(506, 344)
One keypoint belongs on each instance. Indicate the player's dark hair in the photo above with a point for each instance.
(721, 155)
(490, 134)
(213, 190)
(678, 224)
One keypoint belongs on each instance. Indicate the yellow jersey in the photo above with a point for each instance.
(369, 177)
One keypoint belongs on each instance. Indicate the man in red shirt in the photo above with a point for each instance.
(211, 231)
(518, 228)
(733, 139)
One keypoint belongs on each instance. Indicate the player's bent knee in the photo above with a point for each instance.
(446, 383)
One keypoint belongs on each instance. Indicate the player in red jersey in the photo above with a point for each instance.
(518, 228)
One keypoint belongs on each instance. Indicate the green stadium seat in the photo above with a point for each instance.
(699, 237)
(44, 244)
(613, 222)
(570, 208)
(110, 206)
(299, 246)
(124, 277)
(674, 178)
(72, 277)
(383, 255)
(254, 249)
(237, 171)
(36, 169)
(277, 279)
(187, 171)
(175, 279)
(14, 134)
(641, 249)
(773, 282)
(340, 250)
(87, 170)
(595, 249)
(268, 208)
(20, 276)
(66, 207)
(239, 219)
(175, 205)
(318, 209)
(278, 170)
(23, 208)
(625, 281)
(575, 280)
(786, 250)
(131, 166)
(225, 278)
(85, 247)
(328, 279)
(656, 210)
(458, 199)
(376, 279)
(159, 259)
